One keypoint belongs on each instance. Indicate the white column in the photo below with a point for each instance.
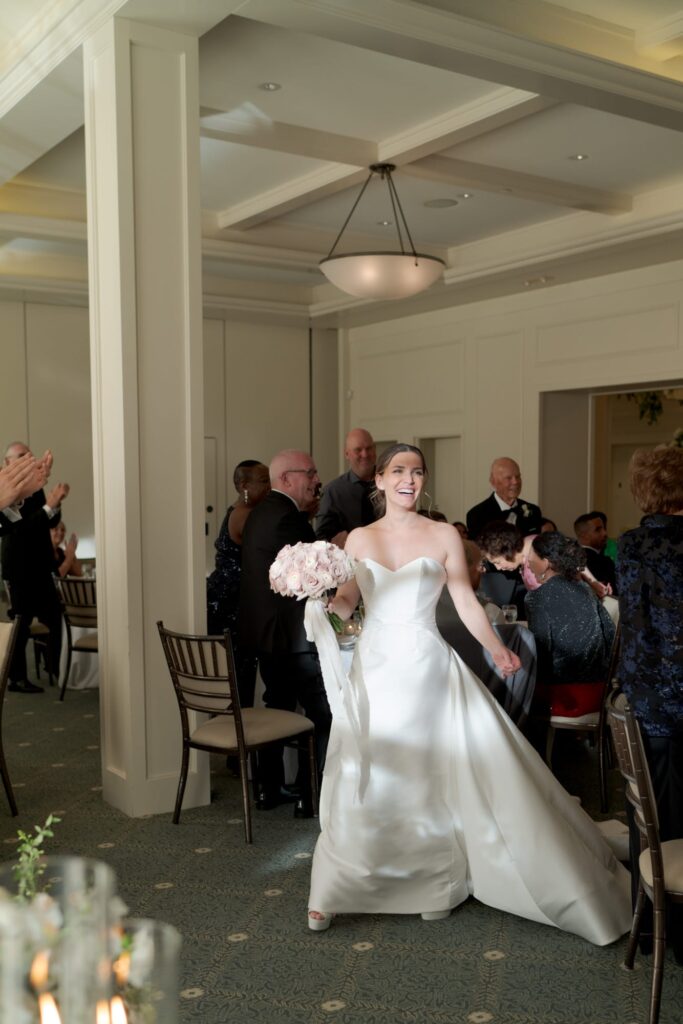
(144, 250)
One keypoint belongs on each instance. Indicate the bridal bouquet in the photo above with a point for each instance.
(310, 570)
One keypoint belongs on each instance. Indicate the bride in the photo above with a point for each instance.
(432, 795)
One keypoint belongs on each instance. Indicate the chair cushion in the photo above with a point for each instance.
(571, 700)
(261, 725)
(86, 643)
(672, 855)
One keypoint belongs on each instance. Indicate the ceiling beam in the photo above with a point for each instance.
(483, 177)
(246, 129)
(497, 108)
(420, 32)
(276, 202)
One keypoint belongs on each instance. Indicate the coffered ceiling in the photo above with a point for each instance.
(483, 105)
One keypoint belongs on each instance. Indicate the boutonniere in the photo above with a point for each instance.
(526, 511)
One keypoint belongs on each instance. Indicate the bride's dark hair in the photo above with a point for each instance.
(376, 496)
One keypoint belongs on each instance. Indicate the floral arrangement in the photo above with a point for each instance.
(310, 570)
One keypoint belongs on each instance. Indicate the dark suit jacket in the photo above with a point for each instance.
(27, 556)
(602, 567)
(489, 511)
(269, 622)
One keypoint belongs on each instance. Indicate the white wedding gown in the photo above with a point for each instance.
(431, 794)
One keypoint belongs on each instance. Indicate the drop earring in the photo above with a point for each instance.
(245, 496)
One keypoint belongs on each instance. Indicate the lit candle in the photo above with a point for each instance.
(118, 1011)
(102, 1013)
(49, 1014)
(40, 967)
(121, 969)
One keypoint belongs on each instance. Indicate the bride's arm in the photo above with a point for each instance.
(347, 597)
(469, 608)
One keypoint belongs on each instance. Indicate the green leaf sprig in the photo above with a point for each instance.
(29, 867)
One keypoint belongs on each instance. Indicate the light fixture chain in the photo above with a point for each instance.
(397, 219)
(394, 194)
(360, 196)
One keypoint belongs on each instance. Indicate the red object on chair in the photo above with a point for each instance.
(570, 700)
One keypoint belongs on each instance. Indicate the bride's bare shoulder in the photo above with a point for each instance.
(360, 540)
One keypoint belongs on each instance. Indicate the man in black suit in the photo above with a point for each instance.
(272, 626)
(27, 566)
(346, 503)
(505, 504)
(591, 533)
(20, 478)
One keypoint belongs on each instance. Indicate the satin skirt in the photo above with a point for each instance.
(448, 800)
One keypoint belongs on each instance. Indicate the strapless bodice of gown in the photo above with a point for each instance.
(431, 794)
(404, 596)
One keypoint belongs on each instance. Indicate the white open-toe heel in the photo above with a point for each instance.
(435, 915)
(319, 924)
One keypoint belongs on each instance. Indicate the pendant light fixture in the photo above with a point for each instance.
(382, 275)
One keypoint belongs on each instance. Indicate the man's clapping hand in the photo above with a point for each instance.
(57, 495)
(20, 478)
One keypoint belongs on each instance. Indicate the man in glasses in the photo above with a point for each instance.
(272, 626)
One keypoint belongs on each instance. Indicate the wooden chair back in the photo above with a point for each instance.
(202, 670)
(8, 636)
(79, 601)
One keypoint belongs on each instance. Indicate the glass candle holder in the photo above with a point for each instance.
(146, 973)
(57, 939)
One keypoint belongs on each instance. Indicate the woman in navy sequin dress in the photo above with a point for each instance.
(252, 484)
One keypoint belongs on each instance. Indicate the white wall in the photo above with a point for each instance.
(45, 399)
(478, 371)
(256, 387)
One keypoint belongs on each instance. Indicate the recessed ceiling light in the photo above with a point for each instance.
(579, 156)
(270, 86)
(533, 282)
(440, 204)
(466, 195)
(385, 223)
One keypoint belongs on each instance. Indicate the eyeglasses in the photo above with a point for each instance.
(310, 473)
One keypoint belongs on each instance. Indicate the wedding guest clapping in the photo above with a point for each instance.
(66, 562)
(27, 565)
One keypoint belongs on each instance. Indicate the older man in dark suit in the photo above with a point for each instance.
(272, 626)
(505, 504)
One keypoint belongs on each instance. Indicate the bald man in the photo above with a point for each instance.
(345, 503)
(272, 626)
(505, 503)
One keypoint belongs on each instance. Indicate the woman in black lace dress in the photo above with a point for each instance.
(252, 484)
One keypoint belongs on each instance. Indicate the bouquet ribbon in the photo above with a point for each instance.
(340, 695)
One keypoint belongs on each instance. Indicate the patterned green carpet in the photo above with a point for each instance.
(247, 954)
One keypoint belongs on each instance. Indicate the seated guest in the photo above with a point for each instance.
(462, 529)
(504, 546)
(650, 670)
(573, 631)
(506, 549)
(66, 563)
(592, 536)
(346, 502)
(252, 483)
(548, 526)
